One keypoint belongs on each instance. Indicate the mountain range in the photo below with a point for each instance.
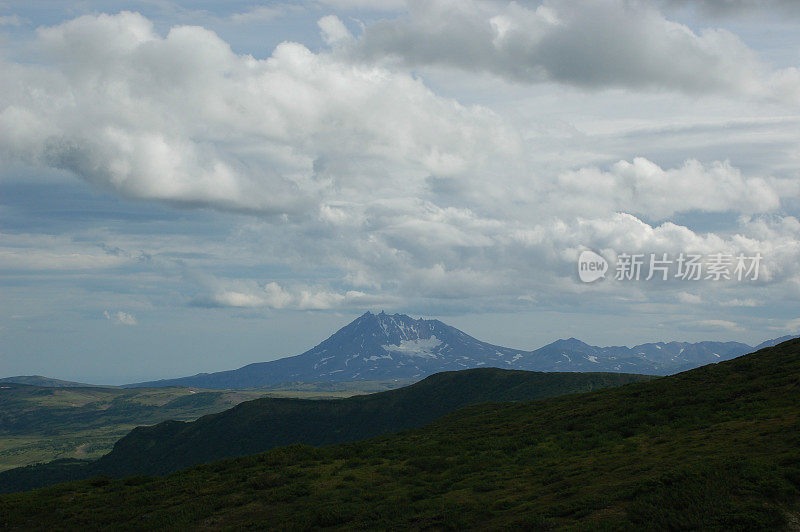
(383, 346)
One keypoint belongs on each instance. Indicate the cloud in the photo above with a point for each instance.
(749, 302)
(183, 119)
(11, 20)
(720, 324)
(367, 185)
(645, 189)
(257, 14)
(333, 30)
(586, 43)
(271, 295)
(734, 7)
(692, 299)
(120, 318)
(367, 5)
(32, 252)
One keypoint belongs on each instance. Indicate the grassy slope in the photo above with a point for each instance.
(259, 425)
(39, 424)
(716, 448)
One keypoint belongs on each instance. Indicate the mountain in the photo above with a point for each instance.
(383, 346)
(776, 341)
(655, 358)
(372, 347)
(44, 382)
(714, 448)
(262, 424)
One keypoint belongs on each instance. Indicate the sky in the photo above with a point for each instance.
(195, 186)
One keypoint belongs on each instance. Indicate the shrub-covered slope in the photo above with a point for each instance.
(262, 424)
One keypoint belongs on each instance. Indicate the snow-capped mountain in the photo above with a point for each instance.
(382, 346)
(653, 358)
(372, 347)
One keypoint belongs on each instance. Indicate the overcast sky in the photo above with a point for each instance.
(194, 186)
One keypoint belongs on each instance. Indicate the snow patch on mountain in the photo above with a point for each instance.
(419, 347)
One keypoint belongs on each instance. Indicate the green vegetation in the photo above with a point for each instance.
(39, 424)
(713, 448)
(262, 424)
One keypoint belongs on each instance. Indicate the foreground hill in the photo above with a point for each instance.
(262, 424)
(714, 448)
(383, 346)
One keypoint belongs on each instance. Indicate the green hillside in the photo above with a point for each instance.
(262, 424)
(40, 424)
(713, 448)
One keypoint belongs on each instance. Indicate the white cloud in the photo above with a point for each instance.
(368, 5)
(692, 299)
(333, 30)
(121, 318)
(645, 189)
(11, 20)
(32, 252)
(250, 294)
(257, 14)
(368, 185)
(720, 324)
(748, 302)
(182, 118)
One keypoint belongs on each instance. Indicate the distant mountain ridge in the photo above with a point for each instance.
(382, 346)
(44, 382)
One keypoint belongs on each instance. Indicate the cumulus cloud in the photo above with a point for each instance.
(643, 188)
(588, 43)
(364, 178)
(120, 318)
(271, 295)
(183, 119)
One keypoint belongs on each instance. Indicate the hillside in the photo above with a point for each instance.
(40, 424)
(45, 382)
(383, 346)
(714, 448)
(262, 424)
